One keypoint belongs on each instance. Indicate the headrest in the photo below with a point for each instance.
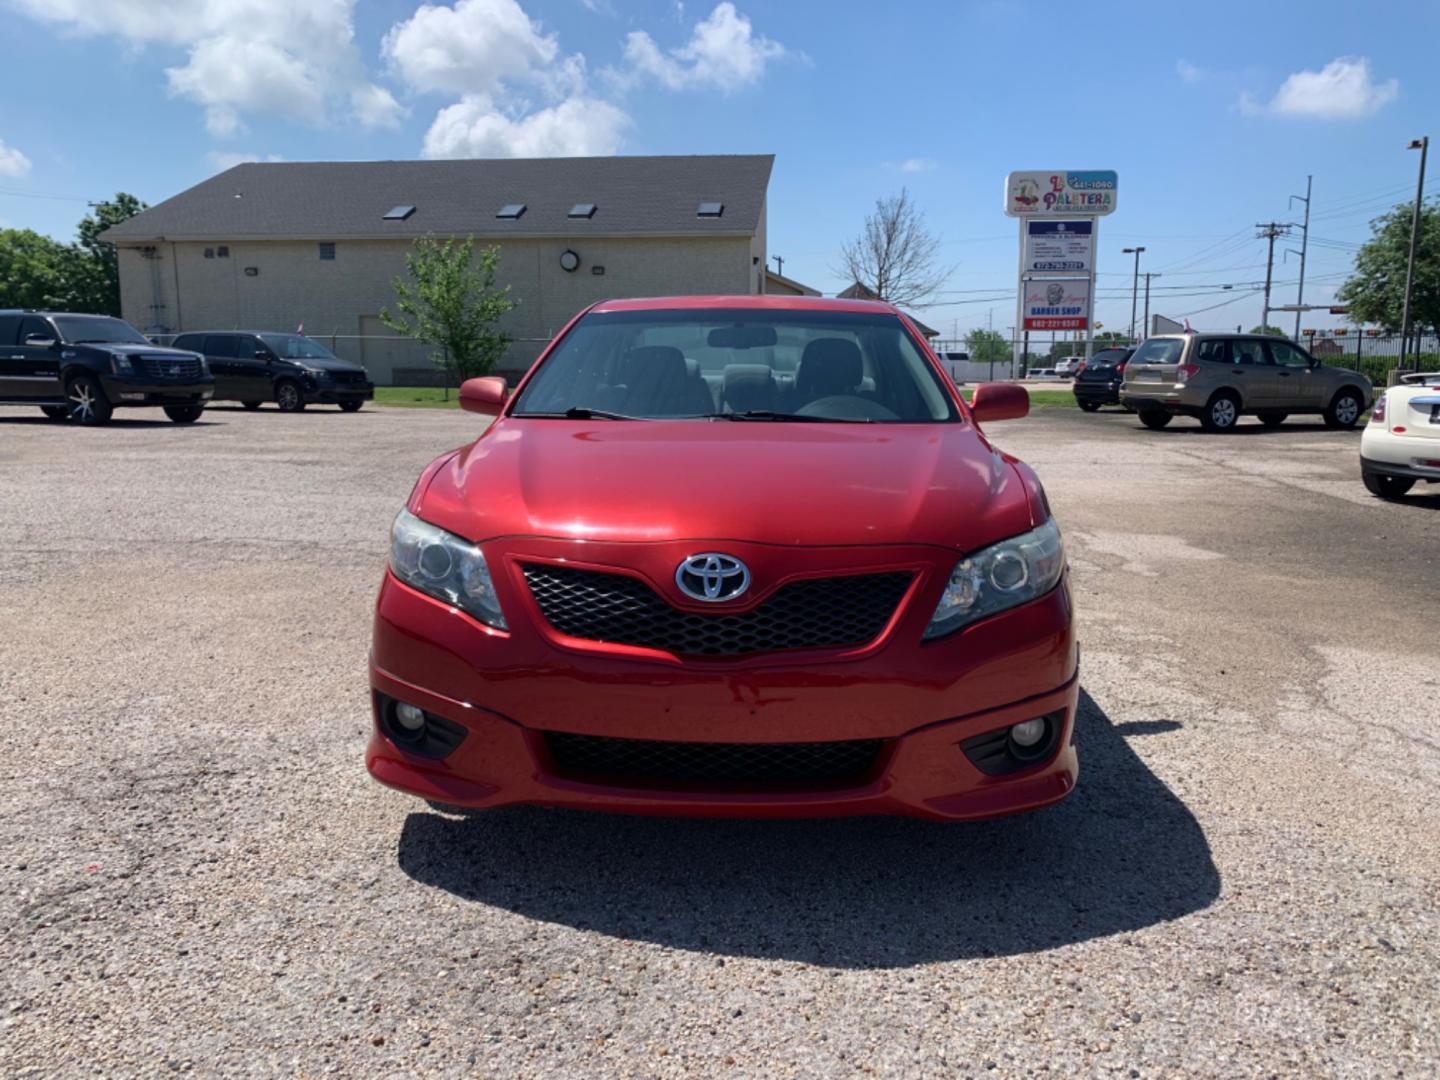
(830, 364)
(653, 362)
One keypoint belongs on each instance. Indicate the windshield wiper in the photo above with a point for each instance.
(783, 417)
(576, 412)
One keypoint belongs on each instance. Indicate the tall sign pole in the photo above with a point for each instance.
(1059, 212)
(1423, 145)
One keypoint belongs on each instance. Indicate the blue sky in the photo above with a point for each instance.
(1212, 114)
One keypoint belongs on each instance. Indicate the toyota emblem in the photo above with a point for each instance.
(712, 577)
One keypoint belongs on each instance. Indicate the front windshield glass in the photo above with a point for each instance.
(743, 363)
(296, 347)
(77, 328)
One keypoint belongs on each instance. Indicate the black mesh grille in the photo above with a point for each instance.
(348, 376)
(816, 614)
(166, 367)
(649, 761)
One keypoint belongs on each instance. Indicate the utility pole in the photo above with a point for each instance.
(779, 265)
(1269, 231)
(1134, 287)
(1145, 327)
(1423, 145)
(1304, 246)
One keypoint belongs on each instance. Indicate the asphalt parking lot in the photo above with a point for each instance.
(197, 874)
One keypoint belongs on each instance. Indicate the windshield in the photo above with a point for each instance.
(1159, 351)
(741, 363)
(296, 347)
(1107, 357)
(75, 329)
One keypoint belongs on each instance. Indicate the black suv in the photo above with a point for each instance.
(291, 370)
(81, 367)
(1099, 380)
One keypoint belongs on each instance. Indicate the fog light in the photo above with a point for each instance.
(410, 717)
(1029, 733)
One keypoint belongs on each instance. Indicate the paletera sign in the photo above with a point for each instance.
(1059, 193)
(1058, 247)
(1057, 304)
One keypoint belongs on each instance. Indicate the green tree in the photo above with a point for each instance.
(1273, 331)
(451, 302)
(98, 289)
(1375, 290)
(1110, 338)
(36, 271)
(985, 346)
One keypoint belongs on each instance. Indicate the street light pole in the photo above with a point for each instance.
(1423, 145)
(1134, 288)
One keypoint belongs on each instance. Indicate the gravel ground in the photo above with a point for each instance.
(197, 875)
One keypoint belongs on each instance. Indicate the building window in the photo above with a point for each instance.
(222, 252)
(327, 252)
(209, 253)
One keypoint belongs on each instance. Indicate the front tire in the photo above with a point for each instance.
(59, 413)
(288, 396)
(1221, 414)
(184, 414)
(251, 404)
(88, 405)
(1387, 487)
(351, 406)
(1155, 419)
(1344, 410)
(1089, 406)
(1272, 419)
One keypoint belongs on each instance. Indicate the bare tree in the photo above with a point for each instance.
(895, 257)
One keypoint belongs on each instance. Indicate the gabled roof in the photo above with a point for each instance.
(330, 200)
(773, 277)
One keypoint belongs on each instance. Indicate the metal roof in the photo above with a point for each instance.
(332, 200)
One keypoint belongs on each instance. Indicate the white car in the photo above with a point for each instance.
(1401, 444)
(1068, 366)
(1042, 373)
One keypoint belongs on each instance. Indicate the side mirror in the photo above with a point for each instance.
(485, 396)
(39, 341)
(999, 401)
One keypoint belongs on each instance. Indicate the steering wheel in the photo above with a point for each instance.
(847, 407)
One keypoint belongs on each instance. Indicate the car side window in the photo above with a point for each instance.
(1212, 352)
(1248, 352)
(9, 329)
(222, 345)
(1287, 355)
(188, 341)
(31, 325)
(253, 347)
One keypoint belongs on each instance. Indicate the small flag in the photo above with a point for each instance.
(301, 328)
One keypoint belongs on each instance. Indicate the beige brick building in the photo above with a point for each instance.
(274, 246)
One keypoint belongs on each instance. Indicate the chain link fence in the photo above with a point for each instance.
(1373, 355)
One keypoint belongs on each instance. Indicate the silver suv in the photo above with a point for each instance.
(1217, 377)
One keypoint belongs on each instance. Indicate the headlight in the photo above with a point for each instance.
(999, 577)
(444, 566)
(318, 374)
(121, 365)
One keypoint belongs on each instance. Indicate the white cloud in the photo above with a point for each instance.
(1188, 72)
(576, 127)
(228, 159)
(915, 164)
(295, 58)
(723, 53)
(12, 161)
(1343, 89)
(471, 48)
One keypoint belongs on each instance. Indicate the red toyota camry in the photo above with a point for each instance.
(729, 555)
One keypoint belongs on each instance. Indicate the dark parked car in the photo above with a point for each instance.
(1098, 382)
(291, 370)
(81, 367)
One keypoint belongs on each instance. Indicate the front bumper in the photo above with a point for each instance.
(334, 394)
(921, 699)
(131, 390)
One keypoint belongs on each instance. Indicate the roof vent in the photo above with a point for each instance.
(710, 209)
(399, 213)
(582, 209)
(512, 211)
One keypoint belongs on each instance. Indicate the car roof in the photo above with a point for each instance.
(67, 314)
(748, 301)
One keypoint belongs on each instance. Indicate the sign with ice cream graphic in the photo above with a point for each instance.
(1061, 193)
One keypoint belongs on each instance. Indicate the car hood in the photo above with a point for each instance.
(771, 483)
(317, 364)
(126, 348)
